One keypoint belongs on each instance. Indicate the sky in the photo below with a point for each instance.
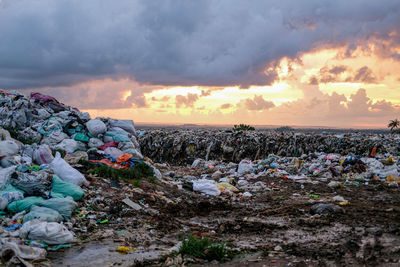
(299, 63)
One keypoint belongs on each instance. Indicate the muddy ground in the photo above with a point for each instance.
(273, 228)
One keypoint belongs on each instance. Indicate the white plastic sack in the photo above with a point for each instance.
(5, 176)
(23, 251)
(54, 138)
(69, 145)
(135, 153)
(113, 151)
(125, 145)
(127, 125)
(198, 163)
(4, 134)
(66, 172)
(95, 142)
(245, 166)
(42, 214)
(387, 170)
(108, 138)
(51, 233)
(207, 187)
(119, 130)
(8, 148)
(42, 114)
(96, 127)
(43, 155)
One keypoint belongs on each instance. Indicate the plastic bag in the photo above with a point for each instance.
(108, 144)
(81, 137)
(75, 157)
(66, 189)
(42, 214)
(4, 134)
(11, 249)
(23, 204)
(54, 138)
(127, 125)
(66, 172)
(113, 151)
(119, 130)
(245, 166)
(96, 127)
(207, 187)
(5, 176)
(95, 142)
(65, 206)
(9, 197)
(126, 145)
(134, 152)
(33, 184)
(49, 126)
(68, 145)
(121, 138)
(51, 233)
(227, 186)
(8, 148)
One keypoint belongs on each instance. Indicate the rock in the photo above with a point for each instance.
(322, 208)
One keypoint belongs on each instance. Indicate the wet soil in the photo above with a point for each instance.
(272, 228)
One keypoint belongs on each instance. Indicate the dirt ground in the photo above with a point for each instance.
(272, 228)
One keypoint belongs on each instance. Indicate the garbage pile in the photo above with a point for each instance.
(334, 170)
(39, 189)
(183, 146)
(210, 182)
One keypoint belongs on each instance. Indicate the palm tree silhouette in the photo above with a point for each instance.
(394, 124)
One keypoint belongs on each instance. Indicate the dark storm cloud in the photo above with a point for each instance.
(333, 75)
(364, 75)
(204, 42)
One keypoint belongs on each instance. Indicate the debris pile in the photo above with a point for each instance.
(39, 189)
(179, 197)
(180, 146)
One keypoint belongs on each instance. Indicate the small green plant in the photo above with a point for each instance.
(136, 183)
(141, 171)
(205, 248)
(62, 152)
(242, 127)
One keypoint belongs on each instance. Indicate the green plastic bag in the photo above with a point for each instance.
(81, 137)
(24, 204)
(65, 206)
(66, 189)
(56, 195)
(10, 188)
(121, 138)
(42, 214)
(109, 133)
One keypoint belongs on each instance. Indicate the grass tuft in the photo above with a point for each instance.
(140, 172)
(205, 248)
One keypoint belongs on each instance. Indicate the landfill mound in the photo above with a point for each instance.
(180, 146)
(77, 191)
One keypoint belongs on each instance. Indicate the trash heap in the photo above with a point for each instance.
(210, 182)
(39, 189)
(334, 170)
(183, 146)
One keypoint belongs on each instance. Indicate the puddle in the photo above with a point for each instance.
(101, 253)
